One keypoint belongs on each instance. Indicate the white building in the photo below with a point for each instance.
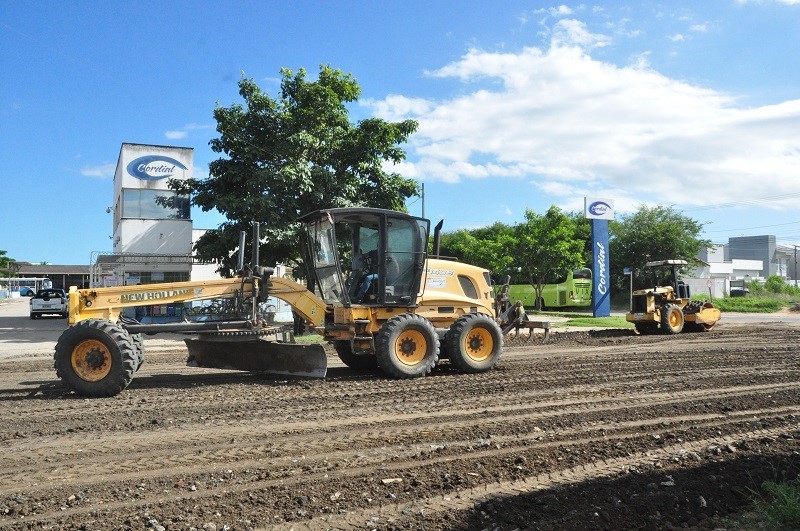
(142, 226)
(152, 227)
(153, 234)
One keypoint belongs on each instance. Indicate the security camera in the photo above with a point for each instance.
(108, 210)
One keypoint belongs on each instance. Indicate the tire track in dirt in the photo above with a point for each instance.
(262, 452)
(463, 500)
(93, 409)
(154, 454)
(456, 501)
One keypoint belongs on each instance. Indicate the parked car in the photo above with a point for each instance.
(51, 300)
(26, 292)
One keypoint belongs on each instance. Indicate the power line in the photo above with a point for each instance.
(742, 203)
(758, 227)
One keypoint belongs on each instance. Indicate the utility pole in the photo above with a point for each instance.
(795, 266)
(423, 200)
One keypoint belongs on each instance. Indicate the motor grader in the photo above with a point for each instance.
(377, 296)
(667, 305)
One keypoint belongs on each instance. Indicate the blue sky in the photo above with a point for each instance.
(521, 104)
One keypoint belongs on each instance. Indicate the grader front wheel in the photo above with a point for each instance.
(96, 358)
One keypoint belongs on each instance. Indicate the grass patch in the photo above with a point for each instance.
(310, 339)
(615, 321)
(779, 503)
(750, 304)
(583, 319)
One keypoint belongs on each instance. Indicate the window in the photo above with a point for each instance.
(142, 204)
(468, 287)
(146, 277)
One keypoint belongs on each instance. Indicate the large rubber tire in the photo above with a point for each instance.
(646, 327)
(444, 349)
(138, 344)
(363, 362)
(95, 358)
(672, 320)
(407, 346)
(474, 343)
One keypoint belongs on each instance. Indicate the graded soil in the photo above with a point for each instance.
(591, 430)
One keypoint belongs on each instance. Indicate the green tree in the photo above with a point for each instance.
(546, 245)
(651, 233)
(4, 262)
(290, 155)
(488, 247)
(583, 232)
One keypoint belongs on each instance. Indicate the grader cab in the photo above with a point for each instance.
(667, 305)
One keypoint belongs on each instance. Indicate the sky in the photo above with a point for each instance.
(521, 104)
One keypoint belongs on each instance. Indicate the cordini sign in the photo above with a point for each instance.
(154, 167)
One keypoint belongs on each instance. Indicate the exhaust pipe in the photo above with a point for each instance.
(437, 232)
(240, 262)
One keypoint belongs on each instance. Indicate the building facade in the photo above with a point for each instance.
(152, 233)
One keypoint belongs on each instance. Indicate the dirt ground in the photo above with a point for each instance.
(594, 430)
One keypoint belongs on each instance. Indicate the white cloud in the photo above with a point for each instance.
(100, 171)
(571, 32)
(394, 107)
(567, 121)
(173, 135)
(561, 11)
(183, 132)
(557, 11)
(677, 37)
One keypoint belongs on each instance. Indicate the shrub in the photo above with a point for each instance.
(775, 284)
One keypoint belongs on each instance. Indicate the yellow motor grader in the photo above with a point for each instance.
(667, 305)
(378, 297)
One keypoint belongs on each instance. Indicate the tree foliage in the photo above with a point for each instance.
(546, 245)
(488, 247)
(652, 233)
(289, 155)
(4, 263)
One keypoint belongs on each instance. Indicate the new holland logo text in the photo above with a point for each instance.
(152, 167)
(154, 295)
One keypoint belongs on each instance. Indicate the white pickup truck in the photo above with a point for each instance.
(50, 300)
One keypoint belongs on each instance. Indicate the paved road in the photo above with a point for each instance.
(23, 337)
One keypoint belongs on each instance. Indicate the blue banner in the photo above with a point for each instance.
(601, 269)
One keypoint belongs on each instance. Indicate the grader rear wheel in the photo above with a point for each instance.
(407, 346)
(474, 343)
(96, 358)
(359, 362)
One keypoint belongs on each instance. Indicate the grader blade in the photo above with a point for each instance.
(258, 355)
